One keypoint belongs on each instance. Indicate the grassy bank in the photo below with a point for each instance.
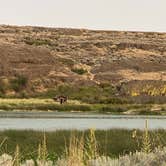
(110, 143)
(74, 105)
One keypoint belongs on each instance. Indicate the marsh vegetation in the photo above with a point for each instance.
(84, 148)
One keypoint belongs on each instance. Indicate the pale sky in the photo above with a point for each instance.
(134, 15)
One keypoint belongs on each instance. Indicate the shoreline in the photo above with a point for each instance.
(72, 115)
(76, 107)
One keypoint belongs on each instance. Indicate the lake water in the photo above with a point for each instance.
(55, 121)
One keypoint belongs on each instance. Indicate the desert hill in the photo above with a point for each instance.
(134, 62)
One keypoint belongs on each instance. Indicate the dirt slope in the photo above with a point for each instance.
(50, 56)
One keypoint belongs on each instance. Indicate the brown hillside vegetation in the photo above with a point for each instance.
(134, 62)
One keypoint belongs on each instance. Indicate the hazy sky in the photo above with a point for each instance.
(142, 15)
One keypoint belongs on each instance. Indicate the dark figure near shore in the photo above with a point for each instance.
(61, 99)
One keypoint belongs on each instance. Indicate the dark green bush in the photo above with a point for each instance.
(79, 71)
(114, 101)
(2, 95)
(3, 87)
(112, 109)
(19, 83)
(148, 112)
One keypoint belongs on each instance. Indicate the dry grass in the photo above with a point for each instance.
(33, 101)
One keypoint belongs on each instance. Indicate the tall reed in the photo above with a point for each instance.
(17, 157)
(146, 141)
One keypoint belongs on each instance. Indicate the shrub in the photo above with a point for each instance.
(146, 111)
(19, 83)
(114, 100)
(3, 86)
(79, 71)
(140, 158)
(116, 109)
(37, 42)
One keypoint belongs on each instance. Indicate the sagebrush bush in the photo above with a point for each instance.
(19, 83)
(4, 86)
(37, 42)
(79, 71)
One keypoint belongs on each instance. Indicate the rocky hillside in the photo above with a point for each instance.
(42, 58)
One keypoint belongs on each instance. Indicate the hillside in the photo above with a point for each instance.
(38, 58)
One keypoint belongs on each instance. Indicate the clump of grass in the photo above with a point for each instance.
(4, 86)
(74, 154)
(42, 149)
(81, 150)
(91, 146)
(79, 71)
(43, 153)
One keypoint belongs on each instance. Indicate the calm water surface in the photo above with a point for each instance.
(51, 122)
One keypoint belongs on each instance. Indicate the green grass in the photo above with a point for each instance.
(113, 142)
(74, 105)
(41, 104)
